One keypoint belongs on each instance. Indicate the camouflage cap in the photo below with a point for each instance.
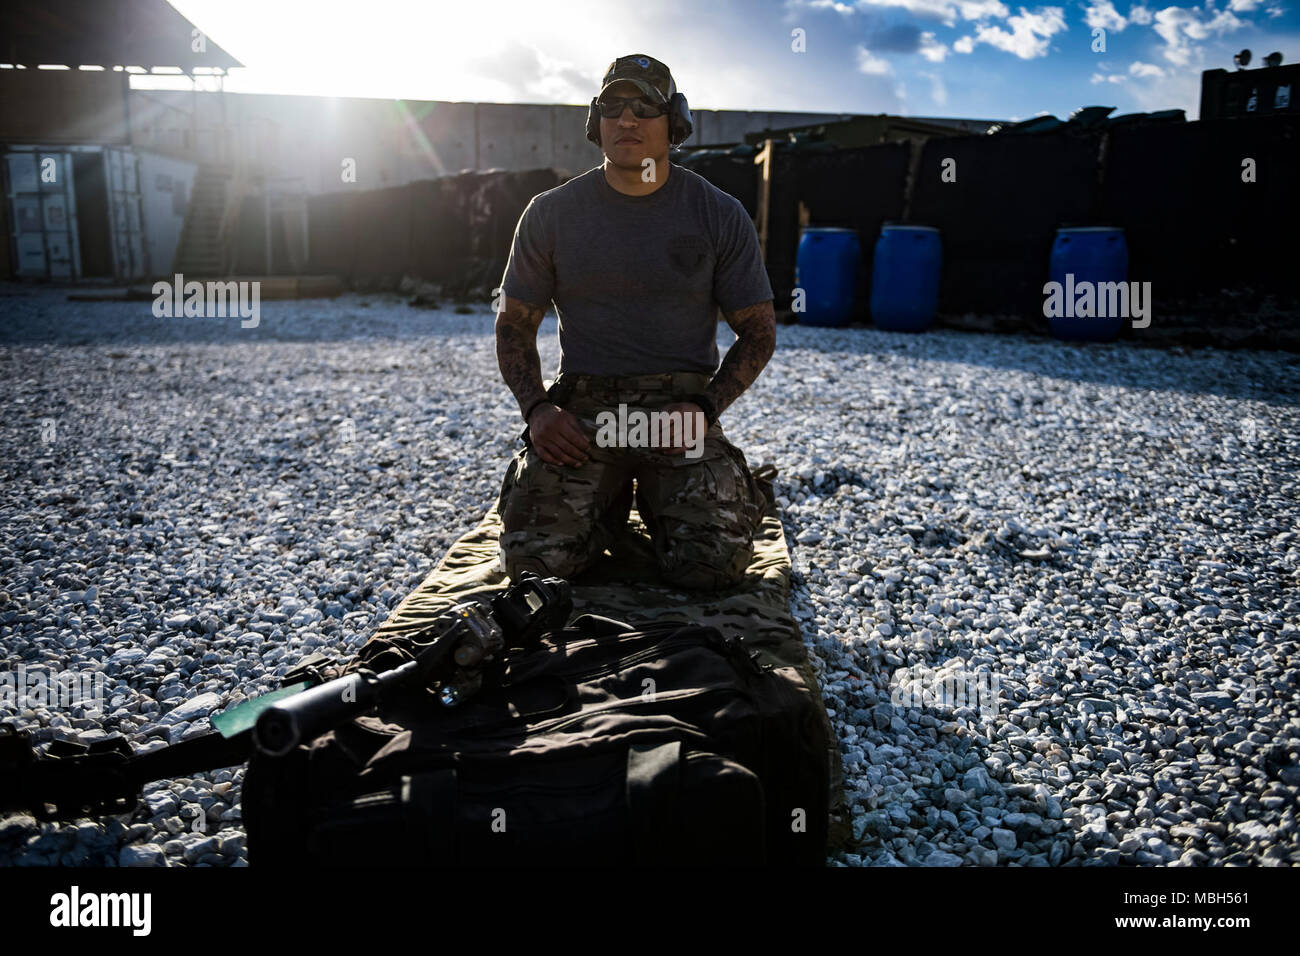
(650, 76)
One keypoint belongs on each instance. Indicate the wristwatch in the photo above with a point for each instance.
(706, 406)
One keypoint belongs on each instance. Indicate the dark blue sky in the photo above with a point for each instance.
(986, 58)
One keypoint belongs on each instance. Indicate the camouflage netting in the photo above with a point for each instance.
(625, 585)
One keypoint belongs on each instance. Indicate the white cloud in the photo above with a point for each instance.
(1224, 21)
(946, 11)
(1244, 6)
(1102, 14)
(1177, 89)
(845, 9)
(938, 92)
(1108, 78)
(1139, 15)
(982, 9)
(1172, 23)
(963, 44)
(1162, 86)
(943, 9)
(1179, 26)
(872, 65)
(1031, 32)
(1138, 68)
(932, 49)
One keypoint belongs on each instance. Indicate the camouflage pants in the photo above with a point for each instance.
(701, 511)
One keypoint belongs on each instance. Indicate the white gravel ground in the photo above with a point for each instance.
(1051, 590)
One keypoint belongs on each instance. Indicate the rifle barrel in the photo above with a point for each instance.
(285, 724)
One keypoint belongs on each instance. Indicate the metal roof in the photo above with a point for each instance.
(145, 33)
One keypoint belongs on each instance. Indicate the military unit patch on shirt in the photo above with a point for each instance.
(688, 253)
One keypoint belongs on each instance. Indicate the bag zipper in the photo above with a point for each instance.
(586, 643)
(556, 723)
(648, 653)
(560, 722)
(729, 647)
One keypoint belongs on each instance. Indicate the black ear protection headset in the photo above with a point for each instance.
(654, 80)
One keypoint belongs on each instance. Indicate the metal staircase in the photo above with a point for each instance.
(204, 247)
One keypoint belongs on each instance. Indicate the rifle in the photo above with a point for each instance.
(460, 650)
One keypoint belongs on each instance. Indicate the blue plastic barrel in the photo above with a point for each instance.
(905, 278)
(826, 268)
(1087, 254)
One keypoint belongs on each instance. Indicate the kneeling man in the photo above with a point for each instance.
(637, 258)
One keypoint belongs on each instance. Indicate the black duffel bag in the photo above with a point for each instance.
(606, 745)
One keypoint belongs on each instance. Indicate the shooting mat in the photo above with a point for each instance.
(624, 584)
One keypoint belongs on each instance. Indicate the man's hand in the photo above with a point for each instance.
(690, 433)
(557, 436)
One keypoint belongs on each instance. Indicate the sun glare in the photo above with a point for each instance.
(386, 48)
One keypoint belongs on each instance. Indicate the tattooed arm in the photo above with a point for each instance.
(755, 328)
(516, 334)
(555, 433)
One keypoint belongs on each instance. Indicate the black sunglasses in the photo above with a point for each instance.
(612, 107)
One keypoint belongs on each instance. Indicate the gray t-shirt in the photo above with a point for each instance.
(637, 280)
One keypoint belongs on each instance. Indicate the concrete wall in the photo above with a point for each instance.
(304, 139)
(730, 126)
